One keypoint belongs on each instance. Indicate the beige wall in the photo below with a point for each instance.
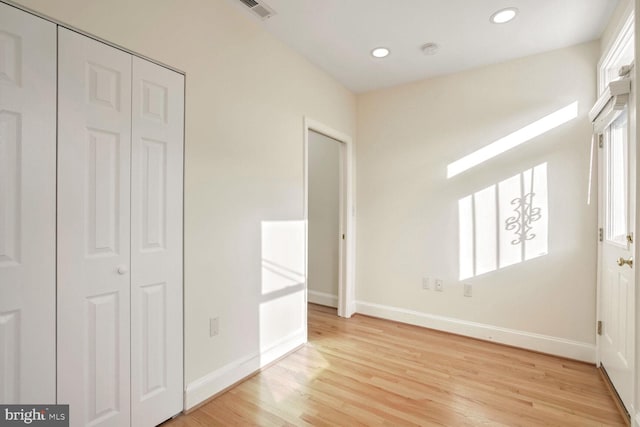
(324, 219)
(246, 95)
(408, 210)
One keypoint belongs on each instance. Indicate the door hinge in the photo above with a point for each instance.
(601, 140)
(343, 237)
(599, 327)
(600, 234)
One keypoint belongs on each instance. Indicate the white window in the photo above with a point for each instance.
(616, 164)
(620, 53)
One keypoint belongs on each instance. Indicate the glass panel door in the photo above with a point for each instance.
(617, 171)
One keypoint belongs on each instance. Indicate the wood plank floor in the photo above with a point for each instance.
(366, 371)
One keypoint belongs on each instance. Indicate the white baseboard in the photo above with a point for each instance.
(204, 387)
(322, 298)
(543, 343)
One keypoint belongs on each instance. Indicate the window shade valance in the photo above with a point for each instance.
(609, 105)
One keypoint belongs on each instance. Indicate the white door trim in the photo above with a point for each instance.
(633, 139)
(346, 288)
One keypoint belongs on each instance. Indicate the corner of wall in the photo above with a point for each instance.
(322, 298)
(622, 11)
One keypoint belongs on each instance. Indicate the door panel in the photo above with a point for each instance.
(617, 281)
(156, 243)
(101, 214)
(27, 207)
(94, 143)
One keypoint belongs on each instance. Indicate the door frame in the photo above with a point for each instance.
(633, 138)
(625, 29)
(346, 285)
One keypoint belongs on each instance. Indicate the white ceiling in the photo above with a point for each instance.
(338, 35)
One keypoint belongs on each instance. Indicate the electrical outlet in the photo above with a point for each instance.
(468, 290)
(439, 285)
(214, 326)
(425, 284)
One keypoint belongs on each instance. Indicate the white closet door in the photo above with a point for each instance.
(27, 207)
(94, 143)
(156, 243)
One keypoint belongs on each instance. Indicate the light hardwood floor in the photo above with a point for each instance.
(366, 371)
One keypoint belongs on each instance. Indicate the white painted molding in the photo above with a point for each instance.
(352, 308)
(322, 298)
(625, 30)
(610, 104)
(346, 285)
(543, 343)
(209, 385)
(637, 419)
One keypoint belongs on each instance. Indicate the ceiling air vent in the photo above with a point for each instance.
(259, 8)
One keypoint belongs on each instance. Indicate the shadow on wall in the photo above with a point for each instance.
(506, 223)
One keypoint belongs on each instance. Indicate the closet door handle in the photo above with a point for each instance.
(122, 269)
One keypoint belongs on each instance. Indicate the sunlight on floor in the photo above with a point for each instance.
(280, 386)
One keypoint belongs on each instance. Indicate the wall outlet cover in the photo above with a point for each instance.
(214, 326)
(468, 290)
(439, 285)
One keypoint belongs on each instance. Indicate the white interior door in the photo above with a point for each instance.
(617, 294)
(27, 207)
(156, 243)
(94, 136)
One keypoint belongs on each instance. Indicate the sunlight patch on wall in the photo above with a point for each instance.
(283, 296)
(504, 224)
(282, 255)
(514, 139)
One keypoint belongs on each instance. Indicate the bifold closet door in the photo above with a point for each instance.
(27, 207)
(156, 243)
(94, 145)
(120, 162)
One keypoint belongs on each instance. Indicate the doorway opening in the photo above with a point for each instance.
(329, 217)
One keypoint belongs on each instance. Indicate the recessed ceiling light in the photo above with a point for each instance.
(430, 48)
(504, 15)
(380, 52)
